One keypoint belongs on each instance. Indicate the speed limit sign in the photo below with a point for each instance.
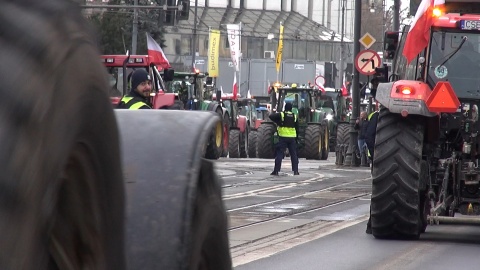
(320, 81)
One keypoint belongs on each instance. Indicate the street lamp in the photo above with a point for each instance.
(372, 7)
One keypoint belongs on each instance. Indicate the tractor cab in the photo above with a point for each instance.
(120, 68)
(189, 87)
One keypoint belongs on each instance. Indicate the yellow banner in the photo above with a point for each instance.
(213, 47)
(280, 49)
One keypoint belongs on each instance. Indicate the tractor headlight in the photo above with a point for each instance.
(329, 117)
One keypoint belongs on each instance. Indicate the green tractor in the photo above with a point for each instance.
(313, 137)
(191, 89)
(336, 107)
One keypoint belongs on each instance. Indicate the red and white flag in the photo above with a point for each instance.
(235, 86)
(344, 90)
(419, 34)
(156, 54)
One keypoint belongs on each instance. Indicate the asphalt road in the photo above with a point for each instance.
(317, 220)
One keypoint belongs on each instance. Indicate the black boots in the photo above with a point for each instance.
(296, 173)
(274, 173)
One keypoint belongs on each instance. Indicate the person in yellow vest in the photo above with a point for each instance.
(287, 123)
(139, 95)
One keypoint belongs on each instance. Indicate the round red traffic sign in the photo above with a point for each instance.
(320, 81)
(366, 61)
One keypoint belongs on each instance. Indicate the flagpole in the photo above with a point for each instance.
(240, 62)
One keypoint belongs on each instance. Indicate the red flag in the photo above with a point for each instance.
(344, 90)
(419, 34)
(156, 54)
(235, 86)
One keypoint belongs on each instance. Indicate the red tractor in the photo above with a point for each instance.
(120, 68)
(238, 125)
(427, 149)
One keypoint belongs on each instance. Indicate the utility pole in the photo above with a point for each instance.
(194, 42)
(135, 29)
(355, 89)
(396, 15)
(342, 45)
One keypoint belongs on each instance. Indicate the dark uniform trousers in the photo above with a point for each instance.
(284, 143)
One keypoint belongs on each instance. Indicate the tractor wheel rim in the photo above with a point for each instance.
(218, 134)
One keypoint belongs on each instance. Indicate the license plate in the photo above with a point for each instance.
(469, 25)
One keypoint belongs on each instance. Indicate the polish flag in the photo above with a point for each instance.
(235, 86)
(344, 90)
(419, 34)
(156, 54)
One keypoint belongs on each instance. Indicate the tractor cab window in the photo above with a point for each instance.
(455, 57)
(228, 105)
(115, 80)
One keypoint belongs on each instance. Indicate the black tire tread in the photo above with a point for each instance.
(265, 147)
(395, 205)
(313, 137)
(234, 144)
(252, 144)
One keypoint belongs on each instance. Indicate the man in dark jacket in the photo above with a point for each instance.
(287, 123)
(139, 95)
(361, 126)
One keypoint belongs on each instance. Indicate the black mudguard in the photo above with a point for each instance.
(163, 167)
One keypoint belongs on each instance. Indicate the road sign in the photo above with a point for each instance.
(367, 40)
(443, 98)
(320, 81)
(366, 62)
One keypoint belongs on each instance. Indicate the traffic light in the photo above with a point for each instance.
(169, 19)
(168, 74)
(185, 10)
(381, 73)
(330, 73)
(209, 81)
(390, 44)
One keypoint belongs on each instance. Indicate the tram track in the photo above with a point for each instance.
(332, 195)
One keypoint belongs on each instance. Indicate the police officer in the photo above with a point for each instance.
(139, 95)
(287, 123)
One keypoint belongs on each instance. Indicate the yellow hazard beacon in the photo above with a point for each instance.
(427, 149)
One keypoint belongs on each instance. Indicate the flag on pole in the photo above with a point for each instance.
(156, 54)
(213, 47)
(235, 86)
(344, 90)
(279, 49)
(419, 34)
(233, 32)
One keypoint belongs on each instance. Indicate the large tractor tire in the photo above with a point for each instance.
(313, 142)
(342, 142)
(234, 146)
(396, 196)
(226, 134)
(215, 141)
(62, 193)
(175, 215)
(325, 143)
(252, 144)
(265, 146)
(244, 142)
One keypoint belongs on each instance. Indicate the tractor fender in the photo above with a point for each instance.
(163, 100)
(385, 96)
(215, 106)
(164, 176)
(242, 123)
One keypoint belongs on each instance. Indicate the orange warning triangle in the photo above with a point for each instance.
(443, 98)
